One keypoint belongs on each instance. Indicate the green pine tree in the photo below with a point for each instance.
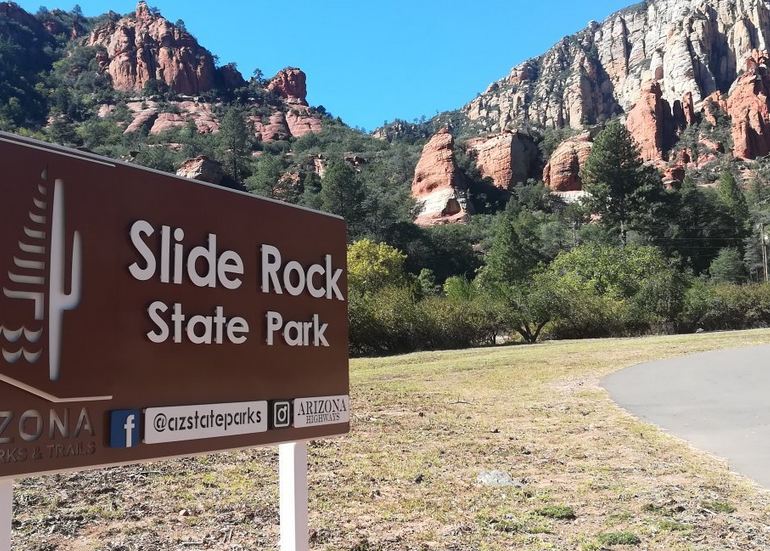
(728, 267)
(342, 193)
(234, 146)
(732, 197)
(612, 176)
(266, 175)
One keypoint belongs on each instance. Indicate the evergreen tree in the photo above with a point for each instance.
(622, 191)
(728, 267)
(504, 264)
(426, 281)
(266, 176)
(342, 193)
(311, 189)
(732, 198)
(234, 143)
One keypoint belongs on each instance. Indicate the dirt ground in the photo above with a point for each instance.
(580, 473)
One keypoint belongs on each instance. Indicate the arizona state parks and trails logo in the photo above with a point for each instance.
(36, 279)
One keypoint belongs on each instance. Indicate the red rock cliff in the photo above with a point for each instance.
(507, 158)
(749, 109)
(562, 173)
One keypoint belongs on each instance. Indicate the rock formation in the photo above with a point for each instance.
(688, 46)
(562, 173)
(749, 109)
(506, 158)
(202, 168)
(655, 124)
(713, 106)
(651, 123)
(274, 129)
(147, 114)
(438, 186)
(301, 122)
(144, 47)
(290, 85)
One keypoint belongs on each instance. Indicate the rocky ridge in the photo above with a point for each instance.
(145, 47)
(687, 46)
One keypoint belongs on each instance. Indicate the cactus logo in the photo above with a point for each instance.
(38, 276)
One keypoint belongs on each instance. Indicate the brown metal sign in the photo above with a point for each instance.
(145, 316)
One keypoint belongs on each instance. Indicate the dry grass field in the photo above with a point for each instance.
(584, 474)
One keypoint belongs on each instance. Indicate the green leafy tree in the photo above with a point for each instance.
(616, 271)
(459, 288)
(698, 227)
(373, 266)
(728, 267)
(533, 304)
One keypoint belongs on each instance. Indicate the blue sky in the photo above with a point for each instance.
(369, 61)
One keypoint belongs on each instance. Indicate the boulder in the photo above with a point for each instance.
(439, 186)
(713, 105)
(652, 123)
(202, 168)
(230, 77)
(202, 114)
(562, 173)
(167, 121)
(274, 129)
(145, 114)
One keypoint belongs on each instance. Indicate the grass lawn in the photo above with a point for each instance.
(586, 475)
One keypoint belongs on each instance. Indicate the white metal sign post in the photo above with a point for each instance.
(293, 489)
(6, 513)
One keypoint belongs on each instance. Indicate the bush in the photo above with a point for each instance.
(386, 323)
(393, 320)
(724, 307)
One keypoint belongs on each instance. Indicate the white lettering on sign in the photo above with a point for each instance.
(296, 333)
(180, 423)
(204, 267)
(295, 279)
(323, 410)
(198, 329)
(164, 255)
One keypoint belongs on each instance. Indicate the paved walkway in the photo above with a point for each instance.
(719, 401)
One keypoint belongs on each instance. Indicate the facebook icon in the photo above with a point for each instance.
(124, 428)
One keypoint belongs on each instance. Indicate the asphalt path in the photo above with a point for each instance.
(719, 401)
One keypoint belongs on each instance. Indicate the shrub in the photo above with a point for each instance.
(558, 512)
(725, 306)
(619, 538)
